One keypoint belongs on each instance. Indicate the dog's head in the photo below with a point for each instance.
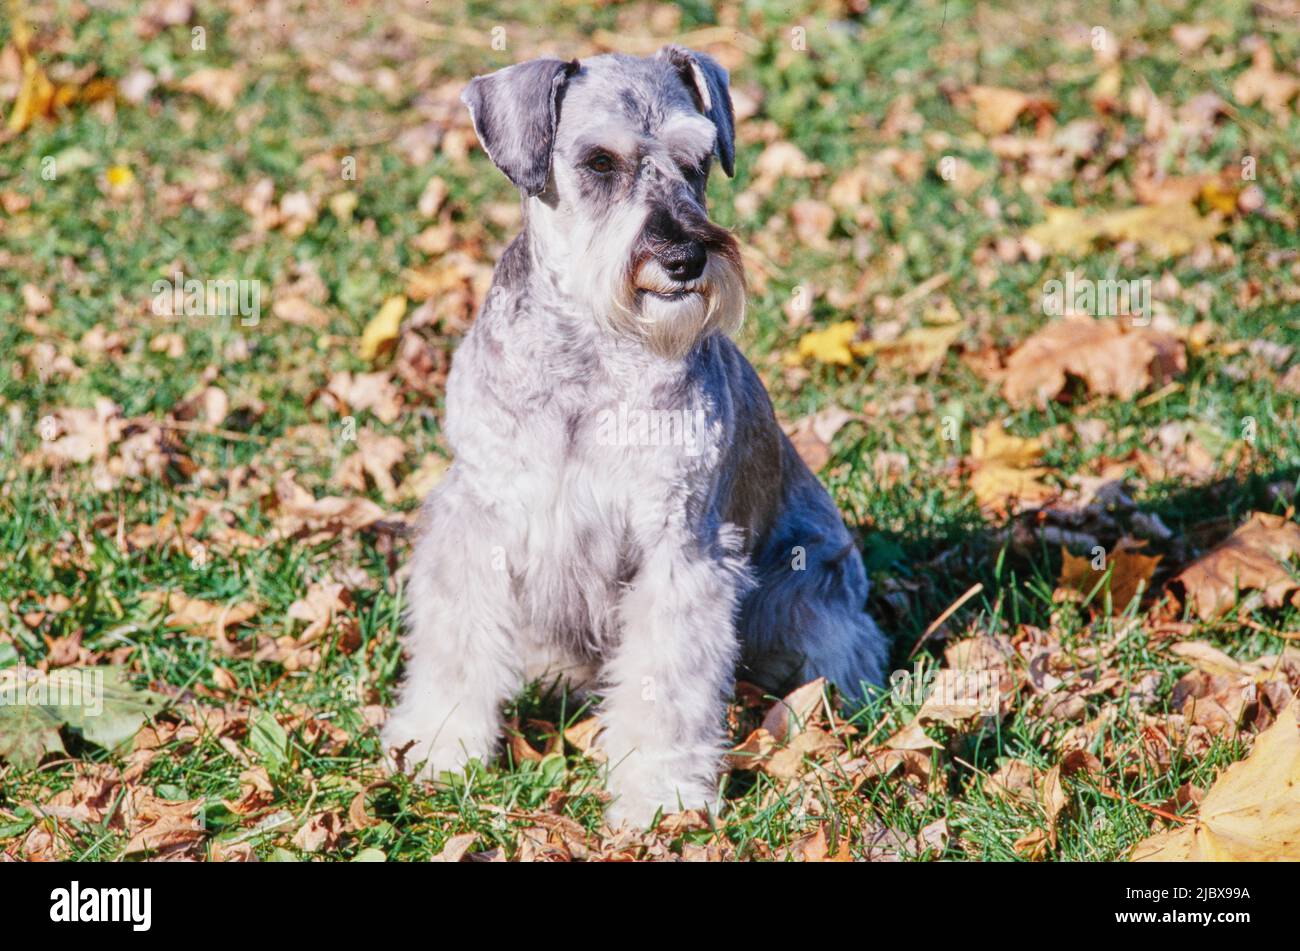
(612, 155)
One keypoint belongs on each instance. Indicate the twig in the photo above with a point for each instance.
(1111, 794)
(975, 589)
(204, 429)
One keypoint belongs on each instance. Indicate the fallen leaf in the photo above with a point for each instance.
(455, 848)
(302, 514)
(1130, 572)
(812, 435)
(320, 833)
(1254, 557)
(219, 87)
(166, 828)
(917, 351)
(1166, 230)
(99, 702)
(1252, 811)
(997, 108)
(795, 711)
(1005, 472)
(1111, 359)
(830, 345)
(383, 327)
(374, 392)
(210, 618)
(320, 607)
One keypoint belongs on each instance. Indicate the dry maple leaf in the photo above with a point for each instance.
(830, 345)
(322, 605)
(1250, 814)
(796, 711)
(1005, 474)
(1111, 359)
(219, 87)
(377, 455)
(1130, 573)
(997, 108)
(367, 391)
(1254, 557)
(1262, 83)
(456, 847)
(1166, 230)
(166, 828)
(319, 833)
(916, 351)
(209, 618)
(301, 513)
(812, 435)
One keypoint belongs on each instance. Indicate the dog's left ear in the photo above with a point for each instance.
(708, 79)
(515, 112)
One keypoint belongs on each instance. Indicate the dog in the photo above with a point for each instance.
(623, 510)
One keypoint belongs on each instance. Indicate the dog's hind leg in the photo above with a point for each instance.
(807, 616)
(462, 662)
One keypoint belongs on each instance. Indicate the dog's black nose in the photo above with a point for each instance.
(684, 262)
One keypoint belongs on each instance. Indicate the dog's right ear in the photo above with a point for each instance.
(515, 112)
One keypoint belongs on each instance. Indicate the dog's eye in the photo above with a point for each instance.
(602, 163)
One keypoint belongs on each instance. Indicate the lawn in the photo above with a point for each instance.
(207, 489)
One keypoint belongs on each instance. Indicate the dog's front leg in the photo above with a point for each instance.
(462, 662)
(668, 683)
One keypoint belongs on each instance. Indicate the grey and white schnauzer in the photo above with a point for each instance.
(623, 510)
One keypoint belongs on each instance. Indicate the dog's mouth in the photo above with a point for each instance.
(671, 296)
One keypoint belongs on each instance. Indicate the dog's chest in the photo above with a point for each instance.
(594, 490)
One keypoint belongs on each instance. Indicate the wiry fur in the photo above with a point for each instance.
(648, 572)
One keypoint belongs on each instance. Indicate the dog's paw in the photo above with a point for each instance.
(410, 749)
(637, 810)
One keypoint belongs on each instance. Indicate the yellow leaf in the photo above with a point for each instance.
(918, 351)
(1005, 470)
(1250, 814)
(35, 96)
(830, 345)
(1166, 230)
(383, 327)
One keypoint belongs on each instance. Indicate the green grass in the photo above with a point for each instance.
(925, 538)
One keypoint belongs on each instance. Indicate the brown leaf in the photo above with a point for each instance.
(323, 603)
(1110, 358)
(812, 435)
(170, 829)
(455, 848)
(1254, 557)
(1252, 811)
(207, 617)
(997, 108)
(320, 833)
(374, 392)
(1130, 572)
(300, 513)
(220, 87)
(796, 711)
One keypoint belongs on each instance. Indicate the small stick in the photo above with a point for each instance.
(186, 426)
(1111, 794)
(975, 589)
